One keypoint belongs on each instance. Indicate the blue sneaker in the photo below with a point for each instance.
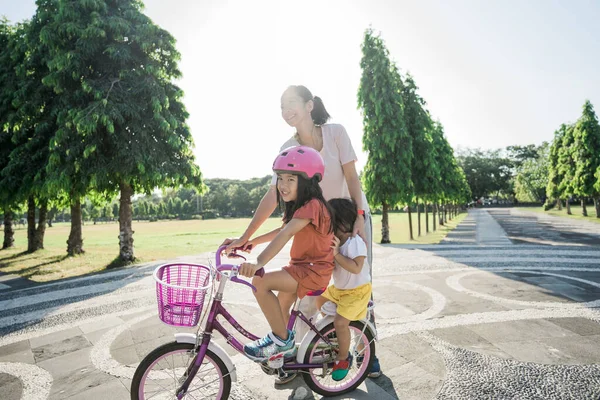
(375, 368)
(262, 349)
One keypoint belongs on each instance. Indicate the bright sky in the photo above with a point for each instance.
(495, 73)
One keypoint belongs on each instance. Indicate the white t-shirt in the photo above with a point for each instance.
(337, 151)
(342, 279)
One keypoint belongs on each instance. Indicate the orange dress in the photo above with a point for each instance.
(311, 263)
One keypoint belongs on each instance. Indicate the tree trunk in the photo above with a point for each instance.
(410, 228)
(440, 215)
(433, 214)
(75, 241)
(9, 233)
(568, 205)
(419, 217)
(583, 208)
(30, 224)
(385, 226)
(51, 217)
(445, 209)
(125, 231)
(38, 238)
(597, 206)
(559, 204)
(426, 219)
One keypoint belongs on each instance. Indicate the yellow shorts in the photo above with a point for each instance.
(351, 303)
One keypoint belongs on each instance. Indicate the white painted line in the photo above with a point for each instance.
(34, 331)
(100, 355)
(143, 298)
(450, 321)
(491, 269)
(508, 258)
(4, 287)
(35, 380)
(117, 286)
(454, 283)
(512, 251)
(438, 301)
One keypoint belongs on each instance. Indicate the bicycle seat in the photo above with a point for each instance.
(317, 292)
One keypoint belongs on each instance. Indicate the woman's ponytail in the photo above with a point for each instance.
(319, 114)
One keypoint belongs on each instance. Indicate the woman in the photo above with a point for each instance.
(307, 114)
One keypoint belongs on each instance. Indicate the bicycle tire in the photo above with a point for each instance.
(346, 385)
(140, 378)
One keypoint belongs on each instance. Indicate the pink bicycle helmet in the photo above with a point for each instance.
(302, 160)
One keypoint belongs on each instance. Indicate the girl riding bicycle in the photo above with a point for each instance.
(351, 289)
(307, 217)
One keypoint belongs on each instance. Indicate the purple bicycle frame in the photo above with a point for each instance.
(212, 323)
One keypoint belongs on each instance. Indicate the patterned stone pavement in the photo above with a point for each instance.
(482, 315)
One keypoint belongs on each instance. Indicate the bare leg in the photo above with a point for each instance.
(286, 300)
(319, 301)
(280, 281)
(343, 336)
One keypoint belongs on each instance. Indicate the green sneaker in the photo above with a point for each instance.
(341, 368)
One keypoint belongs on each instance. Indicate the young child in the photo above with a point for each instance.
(307, 218)
(351, 289)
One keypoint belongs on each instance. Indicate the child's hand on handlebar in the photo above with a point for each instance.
(249, 269)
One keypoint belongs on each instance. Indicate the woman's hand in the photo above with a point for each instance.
(359, 228)
(249, 269)
(335, 246)
(233, 243)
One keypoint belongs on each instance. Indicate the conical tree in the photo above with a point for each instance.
(447, 167)
(566, 165)
(586, 155)
(387, 174)
(125, 125)
(423, 167)
(554, 176)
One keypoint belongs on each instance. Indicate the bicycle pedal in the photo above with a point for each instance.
(276, 360)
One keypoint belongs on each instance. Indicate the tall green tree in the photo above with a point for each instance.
(531, 180)
(124, 128)
(9, 36)
(586, 155)
(424, 172)
(33, 124)
(554, 177)
(566, 165)
(449, 181)
(387, 173)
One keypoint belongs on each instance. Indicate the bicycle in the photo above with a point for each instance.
(197, 366)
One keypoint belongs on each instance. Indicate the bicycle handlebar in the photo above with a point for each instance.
(228, 267)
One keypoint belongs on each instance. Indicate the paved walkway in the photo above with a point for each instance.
(474, 318)
(480, 228)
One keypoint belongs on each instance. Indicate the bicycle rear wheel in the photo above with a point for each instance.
(162, 371)
(319, 352)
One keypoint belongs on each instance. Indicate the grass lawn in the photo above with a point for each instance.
(575, 210)
(157, 241)
(399, 232)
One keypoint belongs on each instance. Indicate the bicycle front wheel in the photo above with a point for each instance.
(162, 372)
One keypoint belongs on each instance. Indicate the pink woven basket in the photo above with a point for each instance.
(180, 291)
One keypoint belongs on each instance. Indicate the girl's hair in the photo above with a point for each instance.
(345, 212)
(319, 114)
(308, 189)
